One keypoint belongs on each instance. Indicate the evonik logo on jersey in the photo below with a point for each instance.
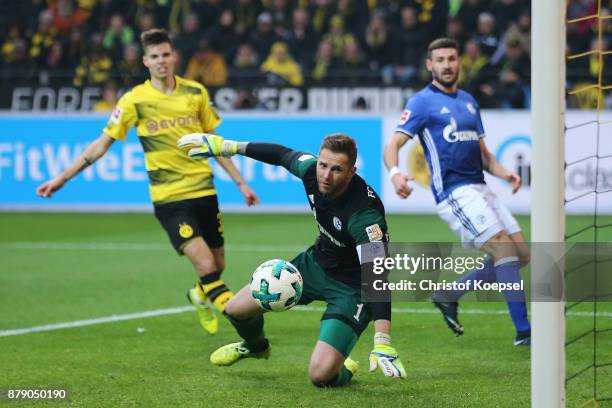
(452, 135)
(154, 125)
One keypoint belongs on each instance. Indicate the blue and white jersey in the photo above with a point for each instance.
(449, 128)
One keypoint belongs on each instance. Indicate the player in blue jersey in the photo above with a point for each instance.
(447, 122)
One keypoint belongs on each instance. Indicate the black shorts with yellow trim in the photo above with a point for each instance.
(186, 219)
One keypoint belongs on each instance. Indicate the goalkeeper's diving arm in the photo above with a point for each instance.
(270, 153)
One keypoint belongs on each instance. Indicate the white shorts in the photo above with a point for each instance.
(476, 215)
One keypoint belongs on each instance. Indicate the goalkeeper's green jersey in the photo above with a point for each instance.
(355, 218)
(160, 120)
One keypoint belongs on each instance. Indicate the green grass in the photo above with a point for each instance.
(115, 364)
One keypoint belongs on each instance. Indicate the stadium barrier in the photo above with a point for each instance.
(34, 147)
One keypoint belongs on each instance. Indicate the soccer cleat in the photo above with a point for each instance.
(351, 365)
(230, 353)
(523, 339)
(208, 318)
(450, 313)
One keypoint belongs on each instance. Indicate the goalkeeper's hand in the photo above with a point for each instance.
(385, 357)
(205, 145)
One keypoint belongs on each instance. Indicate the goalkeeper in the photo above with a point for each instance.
(349, 215)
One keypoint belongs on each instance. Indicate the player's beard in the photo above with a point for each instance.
(446, 84)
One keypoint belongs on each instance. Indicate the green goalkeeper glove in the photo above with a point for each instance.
(386, 357)
(205, 145)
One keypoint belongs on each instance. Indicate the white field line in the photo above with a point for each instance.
(128, 246)
(183, 309)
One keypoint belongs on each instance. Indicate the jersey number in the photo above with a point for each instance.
(359, 307)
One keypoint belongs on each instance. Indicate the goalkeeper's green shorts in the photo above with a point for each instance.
(345, 316)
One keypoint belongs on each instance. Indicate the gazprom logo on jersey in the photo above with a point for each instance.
(515, 154)
(452, 135)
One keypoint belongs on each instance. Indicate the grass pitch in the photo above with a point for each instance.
(70, 267)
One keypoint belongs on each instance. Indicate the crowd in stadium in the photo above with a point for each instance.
(250, 43)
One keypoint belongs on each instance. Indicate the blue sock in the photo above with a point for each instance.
(507, 271)
(486, 274)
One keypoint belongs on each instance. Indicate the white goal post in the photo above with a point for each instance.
(548, 193)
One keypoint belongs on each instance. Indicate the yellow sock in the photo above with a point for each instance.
(218, 293)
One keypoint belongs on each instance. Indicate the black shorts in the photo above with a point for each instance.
(186, 219)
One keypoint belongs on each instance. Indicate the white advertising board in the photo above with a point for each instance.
(588, 146)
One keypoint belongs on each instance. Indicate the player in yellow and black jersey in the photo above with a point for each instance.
(162, 109)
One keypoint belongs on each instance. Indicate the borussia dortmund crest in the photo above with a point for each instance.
(185, 230)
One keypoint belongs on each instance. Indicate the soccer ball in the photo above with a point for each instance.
(276, 285)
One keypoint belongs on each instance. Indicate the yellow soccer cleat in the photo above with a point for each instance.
(351, 365)
(208, 318)
(230, 353)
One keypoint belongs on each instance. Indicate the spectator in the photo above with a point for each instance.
(75, 48)
(379, 44)
(190, 36)
(109, 99)
(469, 12)
(207, 66)
(338, 35)
(512, 88)
(43, 38)
(410, 48)
(355, 15)
(281, 11)
(19, 70)
(471, 70)
(263, 37)
(485, 35)
(222, 37)
(506, 12)
(146, 21)
(54, 66)
(102, 12)
(246, 16)
(321, 13)
(95, 66)
(117, 36)
(591, 97)
(432, 15)
(325, 63)
(130, 69)
(302, 38)
(520, 30)
(67, 15)
(245, 68)
(159, 8)
(456, 30)
(13, 37)
(352, 66)
(280, 68)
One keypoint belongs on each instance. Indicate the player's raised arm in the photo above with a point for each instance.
(205, 145)
(495, 168)
(92, 152)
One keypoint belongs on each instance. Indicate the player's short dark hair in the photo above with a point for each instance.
(441, 43)
(154, 36)
(341, 143)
